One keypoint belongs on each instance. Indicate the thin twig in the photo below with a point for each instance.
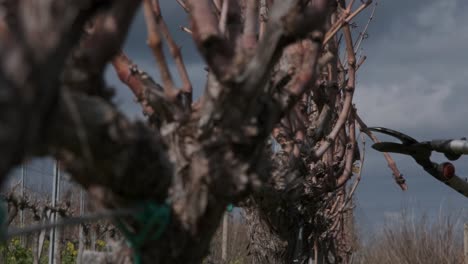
(350, 151)
(399, 179)
(155, 43)
(263, 18)
(345, 19)
(358, 177)
(186, 30)
(250, 25)
(174, 50)
(223, 19)
(183, 5)
(363, 34)
(361, 62)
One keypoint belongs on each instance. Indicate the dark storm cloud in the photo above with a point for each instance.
(416, 75)
(415, 81)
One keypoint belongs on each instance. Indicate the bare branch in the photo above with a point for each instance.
(346, 18)
(37, 208)
(263, 18)
(155, 43)
(349, 91)
(363, 34)
(349, 197)
(217, 51)
(399, 179)
(350, 151)
(151, 95)
(175, 52)
(187, 30)
(183, 5)
(224, 16)
(250, 25)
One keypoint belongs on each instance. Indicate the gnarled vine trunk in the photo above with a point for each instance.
(274, 72)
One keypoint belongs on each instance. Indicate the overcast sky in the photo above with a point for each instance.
(414, 80)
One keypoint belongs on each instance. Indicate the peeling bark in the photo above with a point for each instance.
(194, 158)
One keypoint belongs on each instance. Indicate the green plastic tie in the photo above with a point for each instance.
(154, 220)
(230, 207)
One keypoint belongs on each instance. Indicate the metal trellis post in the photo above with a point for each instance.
(53, 218)
(466, 242)
(81, 234)
(225, 236)
(23, 238)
